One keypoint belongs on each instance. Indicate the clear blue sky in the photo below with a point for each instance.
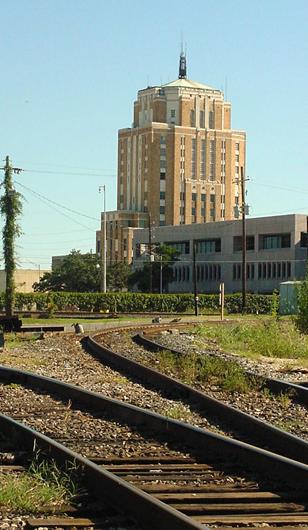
(70, 70)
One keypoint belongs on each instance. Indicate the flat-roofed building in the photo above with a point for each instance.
(23, 279)
(275, 253)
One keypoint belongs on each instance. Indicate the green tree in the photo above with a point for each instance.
(164, 257)
(77, 273)
(117, 276)
(301, 318)
(10, 208)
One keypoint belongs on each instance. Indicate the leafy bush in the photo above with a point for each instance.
(301, 319)
(140, 302)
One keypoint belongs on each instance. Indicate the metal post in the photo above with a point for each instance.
(196, 298)
(104, 244)
(244, 280)
(222, 299)
(161, 275)
(150, 255)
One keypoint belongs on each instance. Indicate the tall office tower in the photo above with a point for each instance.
(179, 163)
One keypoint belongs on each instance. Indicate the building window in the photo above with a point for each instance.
(212, 159)
(211, 119)
(172, 113)
(250, 271)
(162, 175)
(238, 243)
(202, 159)
(162, 140)
(162, 195)
(192, 118)
(193, 158)
(206, 246)
(194, 197)
(274, 241)
(162, 209)
(182, 247)
(202, 122)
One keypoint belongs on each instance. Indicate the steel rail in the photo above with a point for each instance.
(259, 432)
(202, 441)
(298, 392)
(141, 506)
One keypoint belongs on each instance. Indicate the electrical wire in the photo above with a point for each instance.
(56, 203)
(50, 172)
(277, 187)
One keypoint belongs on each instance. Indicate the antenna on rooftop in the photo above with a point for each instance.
(182, 64)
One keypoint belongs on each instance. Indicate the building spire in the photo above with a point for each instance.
(182, 65)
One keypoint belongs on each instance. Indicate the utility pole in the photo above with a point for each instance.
(150, 254)
(196, 298)
(103, 244)
(244, 260)
(10, 207)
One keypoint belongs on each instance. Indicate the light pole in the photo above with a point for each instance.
(196, 298)
(103, 243)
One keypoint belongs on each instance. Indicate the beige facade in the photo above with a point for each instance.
(180, 161)
(23, 278)
(275, 253)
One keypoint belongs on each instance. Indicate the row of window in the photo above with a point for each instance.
(203, 273)
(212, 272)
(213, 245)
(266, 242)
(263, 271)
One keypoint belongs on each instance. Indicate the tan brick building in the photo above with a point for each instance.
(179, 163)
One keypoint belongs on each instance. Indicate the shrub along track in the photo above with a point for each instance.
(205, 479)
(230, 419)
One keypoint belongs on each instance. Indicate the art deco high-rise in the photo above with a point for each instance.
(179, 163)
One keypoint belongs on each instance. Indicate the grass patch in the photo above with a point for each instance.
(204, 369)
(270, 338)
(178, 412)
(43, 486)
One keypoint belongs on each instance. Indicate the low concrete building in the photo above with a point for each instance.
(24, 279)
(275, 253)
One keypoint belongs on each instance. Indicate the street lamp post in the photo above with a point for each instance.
(103, 244)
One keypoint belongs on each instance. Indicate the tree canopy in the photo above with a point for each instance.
(164, 257)
(76, 273)
(81, 273)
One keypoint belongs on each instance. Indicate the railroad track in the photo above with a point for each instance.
(243, 425)
(172, 475)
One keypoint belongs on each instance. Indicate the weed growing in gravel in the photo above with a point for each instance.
(178, 412)
(284, 399)
(43, 485)
(270, 338)
(120, 379)
(203, 369)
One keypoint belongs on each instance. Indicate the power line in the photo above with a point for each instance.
(56, 203)
(50, 172)
(80, 168)
(277, 187)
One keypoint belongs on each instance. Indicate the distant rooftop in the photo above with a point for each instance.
(188, 83)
